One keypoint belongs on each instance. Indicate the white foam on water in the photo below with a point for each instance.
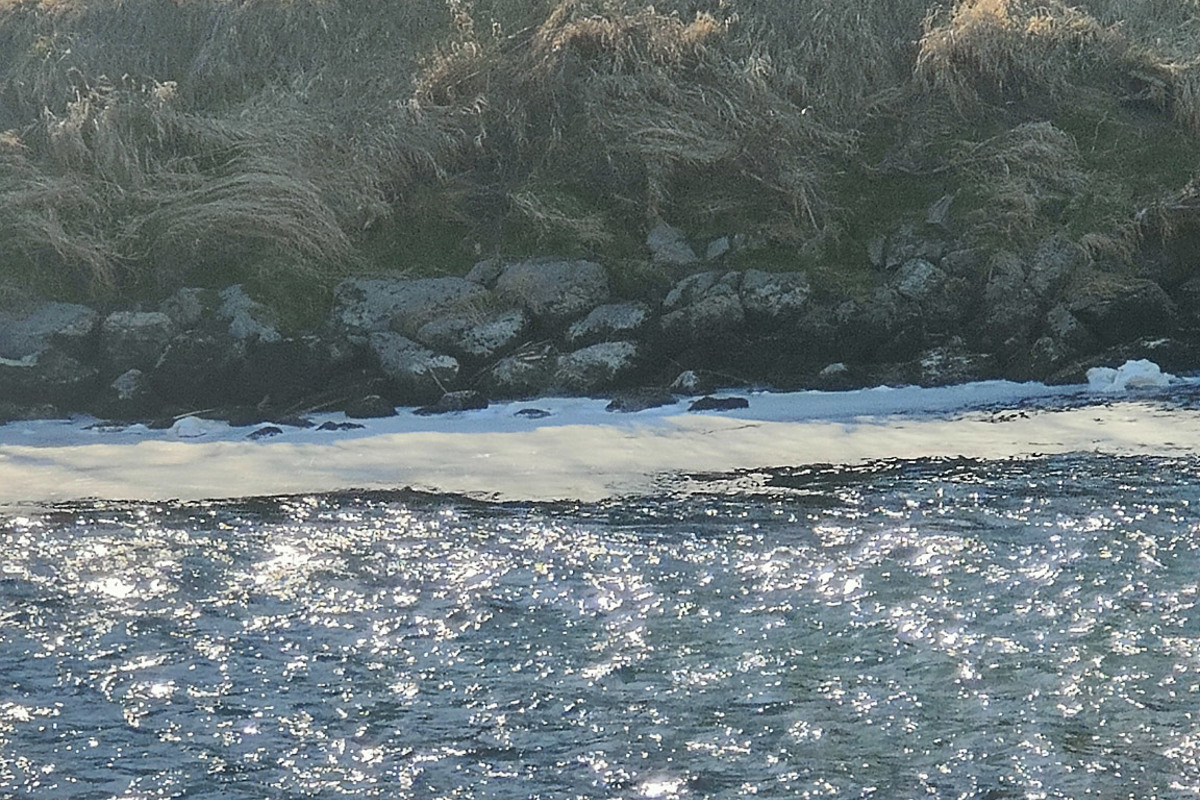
(581, 451)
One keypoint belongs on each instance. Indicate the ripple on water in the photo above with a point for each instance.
(946, 629)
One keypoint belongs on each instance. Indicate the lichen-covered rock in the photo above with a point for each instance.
(554, 291)
(523, 374)
(189, 307)
(1118, 310)
(68, 326)
(371, 305)
(954, 363)
(769, 298)
(597, 367)
(917, 279)
(248, 319)
(609, 322)
(417, 374)
(134, 340)
(475, 335)
(703, 308)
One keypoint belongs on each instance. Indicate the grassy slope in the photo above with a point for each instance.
(148, 144)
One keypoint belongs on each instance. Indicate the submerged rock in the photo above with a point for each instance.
(634, 400)
(719, 404)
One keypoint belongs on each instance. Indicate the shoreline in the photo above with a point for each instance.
(582, 453)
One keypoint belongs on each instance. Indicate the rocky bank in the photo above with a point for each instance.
(936, 314)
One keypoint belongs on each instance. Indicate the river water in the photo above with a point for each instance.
(905, 628)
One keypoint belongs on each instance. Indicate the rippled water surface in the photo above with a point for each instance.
(932, 629)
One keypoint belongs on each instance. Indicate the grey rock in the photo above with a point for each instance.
(346, 426)
(265, 432)
(938, 213)
(475, 335)
(1052, 265)
(917, 279)
(134, 339)
(130, 396)
(953, 363)
(717, 248)
(688, 382)
(532, 413)
(418, 374)
(669, 247)
(600, 366)
(608, 322)
(371, 305)
(554, 291)
(248, 319)
(719, 404)
(30, 331)
(771, 297)
(703, 308)
(523, 374)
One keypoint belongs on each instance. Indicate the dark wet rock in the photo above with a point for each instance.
(280, 373)
(554, 291)
(370, 305)
(598, 367)
(200, 369)
(532, 413)
(293, 421)
(719, 404)
(1118, 310)
(1064, 339)
(669, 247)
(769, 298)
(239, 416)
(161, 423)
(954, 363)
(247, 319)
(370, 407)
(129, 396)
(66, 326)
(340, 426)
(475, 334)
(609, 322)
(49, 377)
(703, 308)
(522, 374)
(418, 375)
(465, 400)
(884, 327)
(634, 400)
(134, 340)
(265, 432)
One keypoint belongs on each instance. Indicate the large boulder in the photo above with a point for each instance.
(522, 374)
(770, 298)
(284, 371)
(703, 308)
(29, 331)
(134, 340)
(554, 291)
(201, 369)
(370, 305)
(418, 375)
(1117, 310)
(600, 367)
(475, 334)
(50, 376)
(248, 319)
(609, 322)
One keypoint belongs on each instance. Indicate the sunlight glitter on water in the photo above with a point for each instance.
(947, 630)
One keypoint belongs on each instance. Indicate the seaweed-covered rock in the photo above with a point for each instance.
(554, 291)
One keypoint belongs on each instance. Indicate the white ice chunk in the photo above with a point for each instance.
(1138, 374)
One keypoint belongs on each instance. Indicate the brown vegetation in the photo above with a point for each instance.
(145, 144)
